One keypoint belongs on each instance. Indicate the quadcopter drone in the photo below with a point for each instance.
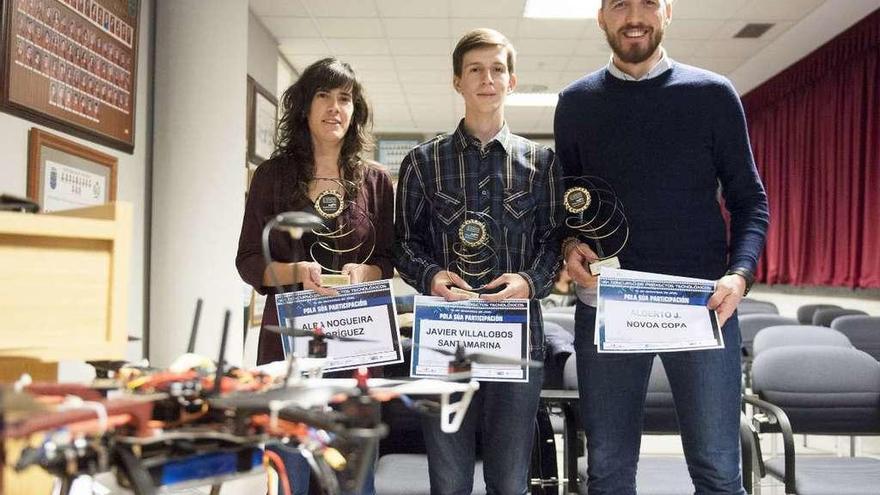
(202, 423)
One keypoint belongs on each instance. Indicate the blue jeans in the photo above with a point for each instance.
(299, 472)
(706, 389)
(505, 414)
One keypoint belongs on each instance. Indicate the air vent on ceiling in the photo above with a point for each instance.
(754, 30)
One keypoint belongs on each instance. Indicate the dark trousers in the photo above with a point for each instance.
(706, 386)
(505, 414)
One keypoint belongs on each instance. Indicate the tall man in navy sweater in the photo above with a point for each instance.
(664, 135)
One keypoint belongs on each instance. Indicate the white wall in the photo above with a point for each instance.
(198, 173)
(262, 54)
(133, 172)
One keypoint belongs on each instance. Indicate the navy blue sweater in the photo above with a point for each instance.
(664, 144)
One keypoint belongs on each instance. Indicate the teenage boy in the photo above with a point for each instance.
(483, 167)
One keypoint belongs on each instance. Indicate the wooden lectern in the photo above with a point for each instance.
(63, 295)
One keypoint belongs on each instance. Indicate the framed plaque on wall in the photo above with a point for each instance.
(391, 150)
(72, 65)
(262, 115)
(63, 174)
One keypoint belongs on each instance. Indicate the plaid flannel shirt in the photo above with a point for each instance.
(514, 181)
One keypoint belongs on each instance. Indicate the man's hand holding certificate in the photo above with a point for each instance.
(647, 312)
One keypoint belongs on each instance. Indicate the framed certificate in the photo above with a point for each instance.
(496, 328)
(72, 65)
(364, 312)
(63, 174)
(390, 151)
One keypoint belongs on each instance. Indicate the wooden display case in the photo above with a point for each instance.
(64, 284)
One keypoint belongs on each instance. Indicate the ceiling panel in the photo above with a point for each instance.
(722, 65)
(544, 62)
(375, 63)
(409, 8)
(402, 48)
(348, 46)
(432, 76)
(339, 27)
(459, 26)
(428, 62)
(551, 28)
(709, 9)
(782, 10)
(592, 48)
(292, 27)
(679, 48)
(424, 47)
(416, 28)
(585, 65)
(692, 29)
(341, 8)
(302, 46)
(494, 8)
(265, 8)
(531, 47)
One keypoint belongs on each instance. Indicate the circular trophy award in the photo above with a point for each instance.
(475, 255)
(348, 232)
(473, 233)
(329, 204)
(576, 199)
(594, 212)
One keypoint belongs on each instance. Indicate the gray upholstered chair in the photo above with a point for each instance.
(862, 331)
(565, 320)
(824, 317)
(805, 313)
(560, 309)
(796, 335)
(819, 390)
(754, 307)
(751, 324)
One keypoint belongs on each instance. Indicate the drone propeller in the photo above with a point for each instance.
(301, 332)
(482, 358)
(304, 396)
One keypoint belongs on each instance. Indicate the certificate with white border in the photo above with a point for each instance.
(364, 311)
(648, 312)
(496, 328)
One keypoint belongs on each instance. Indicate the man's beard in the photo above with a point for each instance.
(636, 54)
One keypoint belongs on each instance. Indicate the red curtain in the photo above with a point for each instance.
(815, 132)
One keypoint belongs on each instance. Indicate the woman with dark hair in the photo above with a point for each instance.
(323, 130)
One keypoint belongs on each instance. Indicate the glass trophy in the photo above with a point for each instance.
(347, 230)
(594, 212)
(475, 252)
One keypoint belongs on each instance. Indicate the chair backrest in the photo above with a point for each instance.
(805, 312)
(564, 320)
(754, 306)
(559, 309)
(822, 389)
(750, 325)
(660, 414)
(404, 304)
(824, 317)
(862, 331)
(789, 335)
(560, 345)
